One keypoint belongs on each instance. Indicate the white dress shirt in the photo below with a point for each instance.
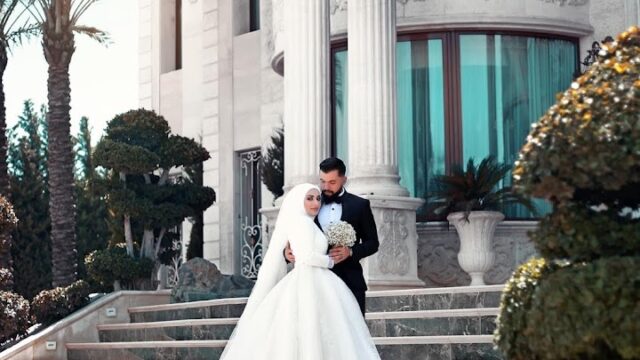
(330, 214)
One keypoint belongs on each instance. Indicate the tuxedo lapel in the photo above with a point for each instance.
(345, 207)
(315, 220)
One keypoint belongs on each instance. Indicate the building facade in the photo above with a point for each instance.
(400, 89)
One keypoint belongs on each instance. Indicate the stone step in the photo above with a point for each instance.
(377, 301)
(438, 347)
(449, 322)
(476, 321)
(193, 349)
(390, 348)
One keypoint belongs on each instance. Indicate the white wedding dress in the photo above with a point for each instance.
(307, 314)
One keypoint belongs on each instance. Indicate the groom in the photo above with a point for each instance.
(338, 204)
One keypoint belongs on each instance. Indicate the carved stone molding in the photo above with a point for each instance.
(341, 5)
(437, 261)
(505, 252)
(338, 5)
(567, 2)
(394, 252)
(404, 2)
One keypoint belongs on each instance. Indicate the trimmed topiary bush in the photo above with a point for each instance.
(590, 140)
(584, 156)
(15, 317)
(52, 305)
(139, 152)
(512, 332)
(578, 233)
(111, 264)
(582, 311)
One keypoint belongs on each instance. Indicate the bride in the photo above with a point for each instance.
(308, 313)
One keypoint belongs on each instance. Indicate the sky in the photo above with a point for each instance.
(104, 79)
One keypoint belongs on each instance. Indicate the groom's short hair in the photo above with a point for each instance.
(333, 163)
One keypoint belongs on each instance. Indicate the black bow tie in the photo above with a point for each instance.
(335, 198)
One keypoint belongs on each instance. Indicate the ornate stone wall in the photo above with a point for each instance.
(438, 247)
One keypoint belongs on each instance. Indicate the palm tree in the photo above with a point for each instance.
(11, 11)
(58, 22)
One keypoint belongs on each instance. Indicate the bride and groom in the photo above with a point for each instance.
(316, 310)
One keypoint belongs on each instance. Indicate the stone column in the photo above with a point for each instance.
(306, 95)
(373, 164)
(306, 89)
(631, 13)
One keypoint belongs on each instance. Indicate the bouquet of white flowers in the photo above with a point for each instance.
(341, 234)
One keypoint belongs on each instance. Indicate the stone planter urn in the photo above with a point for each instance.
(476, 254)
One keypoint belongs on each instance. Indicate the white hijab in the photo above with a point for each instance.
(274, 267)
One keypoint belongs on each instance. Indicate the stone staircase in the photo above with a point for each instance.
(442, 323)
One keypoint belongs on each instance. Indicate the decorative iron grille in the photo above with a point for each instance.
(251, 250)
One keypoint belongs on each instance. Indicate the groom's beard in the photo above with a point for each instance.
(329, 197)
(330, 193)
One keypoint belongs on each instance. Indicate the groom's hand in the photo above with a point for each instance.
(288, 254)
(339, 254)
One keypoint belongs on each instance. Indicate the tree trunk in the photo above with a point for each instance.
(128, 235)
(61, 161)
(147, 249)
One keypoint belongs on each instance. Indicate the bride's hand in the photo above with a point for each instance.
(288, 254)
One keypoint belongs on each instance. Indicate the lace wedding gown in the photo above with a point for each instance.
(307, 314)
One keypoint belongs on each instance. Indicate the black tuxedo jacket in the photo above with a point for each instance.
(357, 212)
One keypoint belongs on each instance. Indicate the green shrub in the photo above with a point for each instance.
(106, 266)
(6, 279)
(77, 294)
(580, 311)
(49, 306)
(15, 318)
(511, 334)
(8, 218)
(580, 234)
(589, 140)
(52, 305)
(587, 311)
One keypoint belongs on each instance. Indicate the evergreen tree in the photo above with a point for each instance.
(91, 222)
(12, 31)
(31, 251)
(272, 167)
(196, 240)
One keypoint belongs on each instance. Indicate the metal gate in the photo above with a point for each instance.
(249, 218)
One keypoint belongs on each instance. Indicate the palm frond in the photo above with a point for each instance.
(37, 9)
(476, 187)
(7, 13)
(96, 34)
(23, 33)
(11, 15)
(80, 8)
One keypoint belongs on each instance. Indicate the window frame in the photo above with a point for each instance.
(452, 84)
